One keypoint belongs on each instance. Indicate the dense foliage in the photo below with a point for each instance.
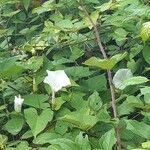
(36, 36)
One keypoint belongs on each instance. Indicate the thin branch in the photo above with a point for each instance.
(98, 39)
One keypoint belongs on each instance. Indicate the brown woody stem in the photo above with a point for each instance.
(98, 39)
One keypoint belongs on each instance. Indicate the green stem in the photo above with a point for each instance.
(53, 97)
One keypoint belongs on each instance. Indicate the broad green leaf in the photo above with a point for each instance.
(46, 137)
(108, 140)
(58, 103)
(47, 6)
(82, 142)
(26, 4)
(76, 53)
(76, 100)
(147, 100)
(61, 127)
(36, 122)
(124, 78)
(120, 76)
(9, 67)
(95, 102)
(35, 100)
(146, 54)
(139, 128)
(94, 16)
(135, 50)
(103, 115)
(64, 24)
(78, 71)
(106, 64)
(34, 63)
(145, 90)
(146, 144)
(3, 141)
(145, 31)
(120, 34)
(23, 145)
(80, 119)
(96, 83)
(64, 144)
(129, 105)
(10, 14)
(135, 80)
(15, 125)
(101, 63)
(105, 6)
(27, 135)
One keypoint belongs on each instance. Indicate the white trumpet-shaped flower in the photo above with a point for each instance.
(18, 103)
(57, 80)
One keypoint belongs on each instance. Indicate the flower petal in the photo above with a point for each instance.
(57, 79)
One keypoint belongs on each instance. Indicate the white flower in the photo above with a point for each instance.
(18, 103)
(57, 80)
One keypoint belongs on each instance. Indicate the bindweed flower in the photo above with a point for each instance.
(18, 103)
(57, 80)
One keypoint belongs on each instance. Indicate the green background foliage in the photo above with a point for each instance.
(36, 36)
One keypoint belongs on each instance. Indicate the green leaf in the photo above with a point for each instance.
(145, 31)
(94, 16)
(76, 53)
(146, 54)
(34, 63)
(61, 127)
(107, 141)
(58, 103)
(101, 63)
(124, 78)
(77, 101)
(36, 122)
(139, 128)
(80, 119)
(95, 101)
(63, 144)
(35, 100)
(145, 90)
(120, 34)
(120, 76)
(96, 83)
(135, 80)
(64, 24)
(3, 140)
(26, 4)
(146, 144)
(82, 142)
(103, 115)
(10, 14)
(15, 125)
(78, 71)
(46, 137)
(129, 105)
(105, 6)
(23, 145)
(106, 64)
(9, 67)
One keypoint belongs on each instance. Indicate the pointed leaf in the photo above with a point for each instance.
(95, 101)
(120, 76)
(139, 128)
(37, 122)
(15, 125)
(106, 64)
(108, 140)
